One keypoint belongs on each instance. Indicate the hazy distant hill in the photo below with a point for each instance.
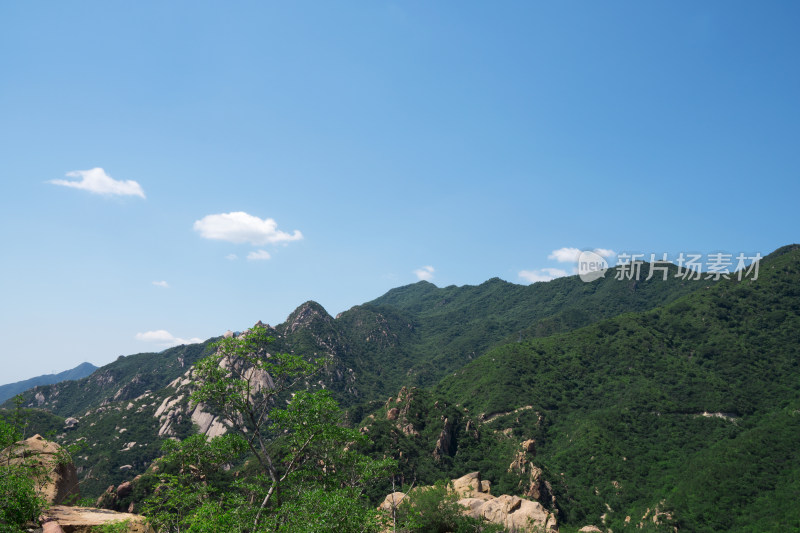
(12, 389)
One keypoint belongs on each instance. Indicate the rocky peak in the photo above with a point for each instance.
(535, 487)
(306, 315)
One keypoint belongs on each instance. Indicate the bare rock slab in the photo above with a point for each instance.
(83, 519)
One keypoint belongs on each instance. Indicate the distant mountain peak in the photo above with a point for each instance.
(12, 389)
(307, 314)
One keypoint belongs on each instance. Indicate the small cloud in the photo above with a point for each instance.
(258, 255)
(164, 338)
(604, 252)
(565, 255)
(98, 182)
(543, 274)
(162, 284)
(425, 273)
(231, 257)
(570, 255)
(239, 227)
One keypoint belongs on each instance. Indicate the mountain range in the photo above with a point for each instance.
(611, 402)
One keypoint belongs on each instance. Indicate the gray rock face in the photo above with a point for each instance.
(445, 441)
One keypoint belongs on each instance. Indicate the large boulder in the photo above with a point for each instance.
(512, 512)
(471, 486)
(57, 479)
(392, 500)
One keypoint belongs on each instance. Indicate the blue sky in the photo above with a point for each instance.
(264, 154)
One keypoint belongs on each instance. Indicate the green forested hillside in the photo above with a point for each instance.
(694, 406)
(457, 324)
(672, 396)
(413, 335)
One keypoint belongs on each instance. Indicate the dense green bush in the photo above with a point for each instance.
(19, 502)
(435, 509)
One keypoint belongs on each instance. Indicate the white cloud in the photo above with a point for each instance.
(97, 181)
(604, 252)
(162, 284)
(240, 227)
(570, 255)
(425, 273)
(565, 255)
(544, 274)
(231, 257)
(258, 255)
(164, 338)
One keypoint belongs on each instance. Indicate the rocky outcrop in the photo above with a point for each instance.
(512, 512)
(472, 486)
(658, 516)
(535, 486)
(177, 407)
(397, 410)
(515, 514)
(50, 465)
(122, 497)
(444, 443)
(60, 518)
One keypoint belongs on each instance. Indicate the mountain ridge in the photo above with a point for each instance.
(412, 336)
(692, 403)
(10, 390)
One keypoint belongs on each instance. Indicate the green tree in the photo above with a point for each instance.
(19, 502)
(302, 470)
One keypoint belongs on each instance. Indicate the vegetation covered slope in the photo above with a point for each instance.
(411, 336)
(693, 407)
(125, 379)
(454, 325)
